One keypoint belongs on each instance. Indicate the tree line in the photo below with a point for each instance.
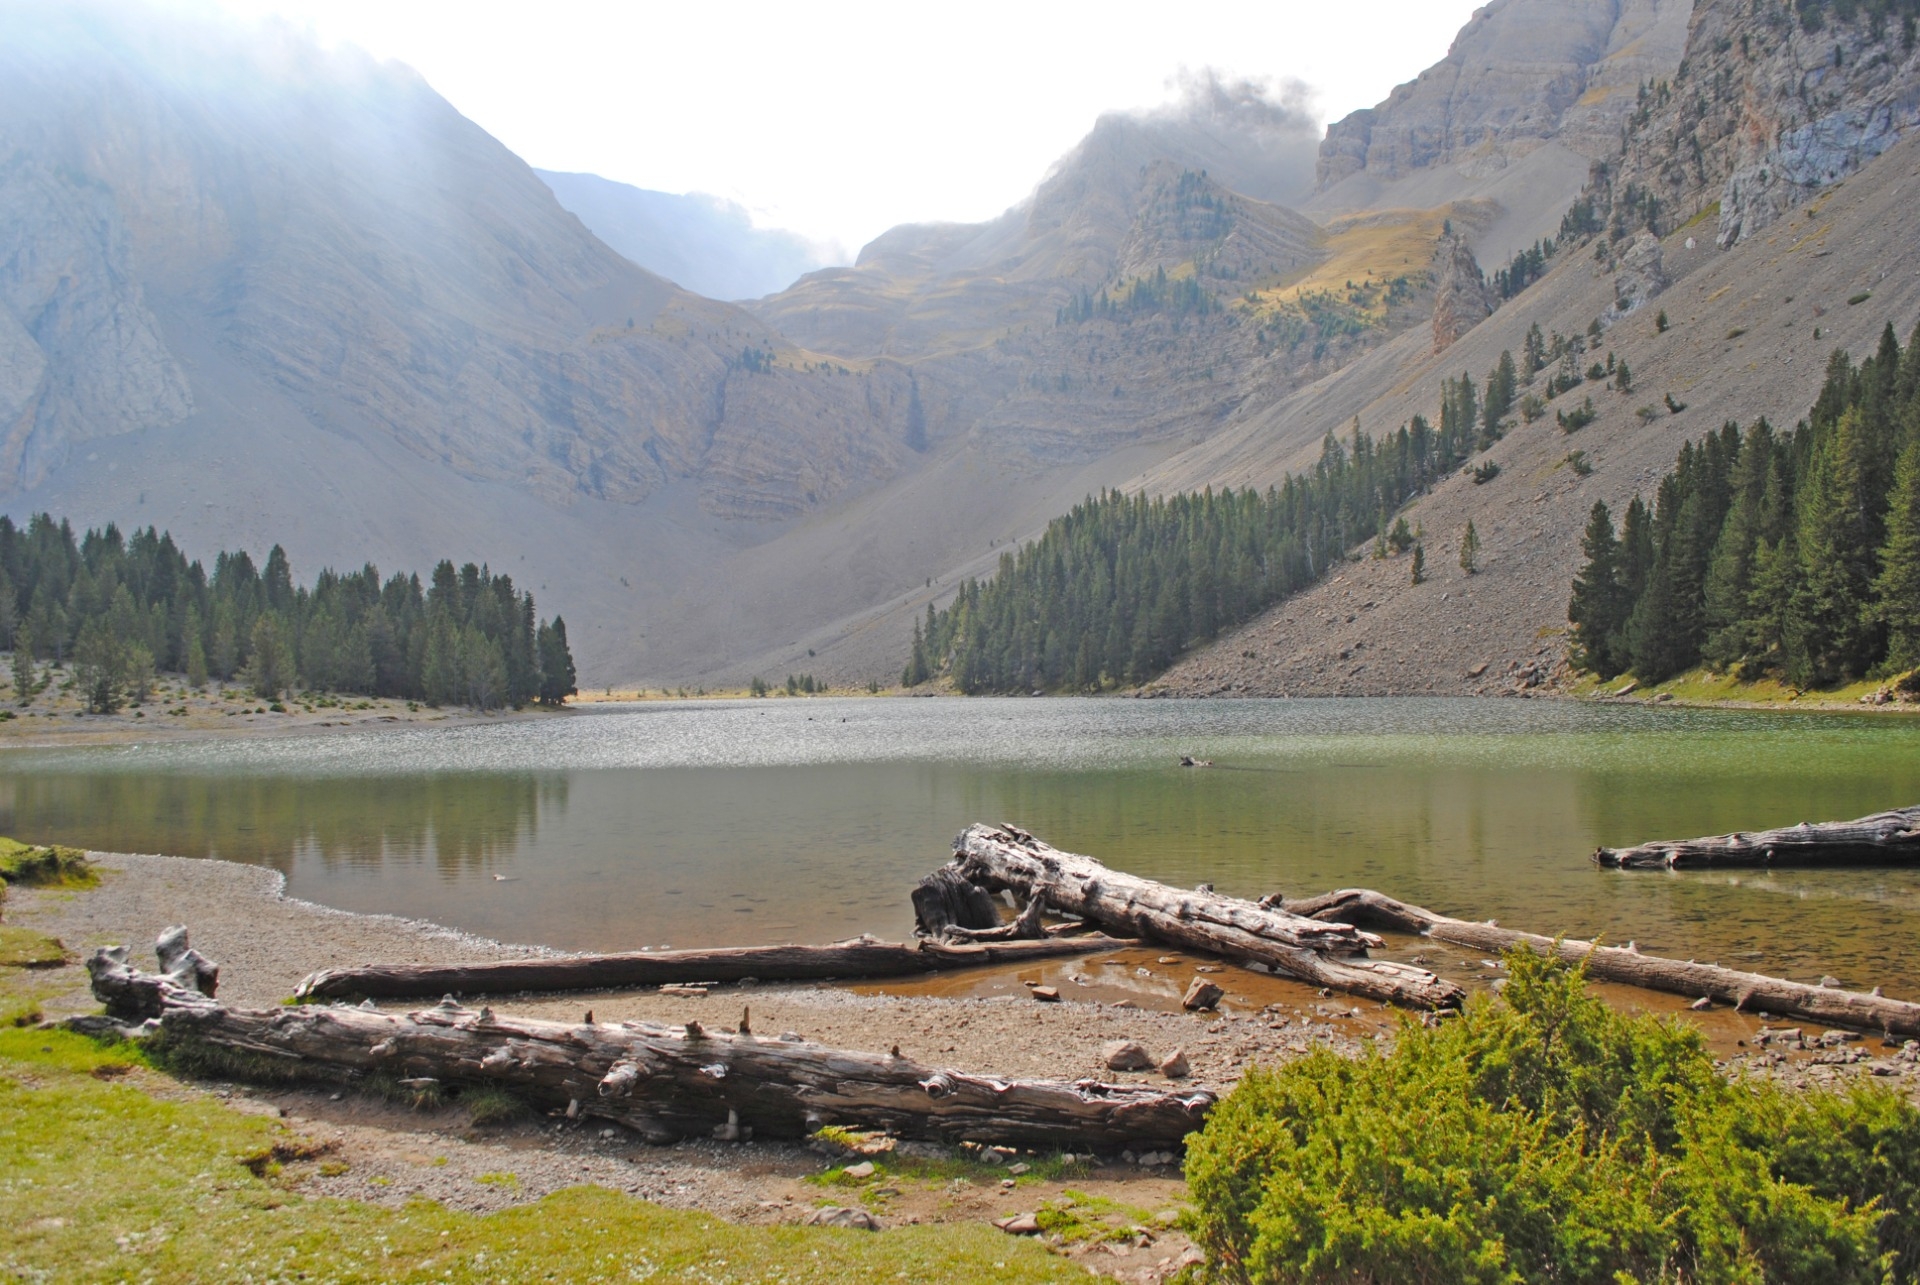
(1794, 554)
(1120, 586)
(121, 609)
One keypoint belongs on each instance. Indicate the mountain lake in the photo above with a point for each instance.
(621, 827)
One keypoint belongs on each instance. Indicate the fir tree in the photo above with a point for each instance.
(1469, 549)
(1897, 587)
(1594, 609)
(1419, 564)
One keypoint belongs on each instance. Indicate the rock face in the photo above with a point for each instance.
(1462, 299)
(1521, 73)
(336, 229)
(1768, 109)
(1638, 275)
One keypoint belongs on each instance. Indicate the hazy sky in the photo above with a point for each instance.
(842, 118)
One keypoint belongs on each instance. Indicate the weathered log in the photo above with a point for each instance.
(1749, 992)
(858, 957)
(1883, 839)
(1326, 954)
(944, 901)
(667, 1082)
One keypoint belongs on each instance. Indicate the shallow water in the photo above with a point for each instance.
(734, 822)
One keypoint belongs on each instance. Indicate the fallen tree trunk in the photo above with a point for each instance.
(1883, 839)
(858, 957)
(666, 1082)
(1326, 954)
(1748, 992)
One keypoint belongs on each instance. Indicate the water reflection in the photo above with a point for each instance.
(457, 824)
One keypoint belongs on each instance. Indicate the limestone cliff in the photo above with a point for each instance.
(338, 229)
(1462, 299)
(1770, 106)
(1521, 74)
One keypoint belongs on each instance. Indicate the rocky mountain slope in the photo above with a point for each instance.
(704, 243)
(1528, 96)
(1749, 332)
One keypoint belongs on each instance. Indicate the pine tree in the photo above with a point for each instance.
(1419, 563)
(557, 678)
(1469, 549)
(1896, 589)
(1830, 636)
(25, 682)
(1594, 609)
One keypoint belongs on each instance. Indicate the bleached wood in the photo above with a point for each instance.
(1883, 839)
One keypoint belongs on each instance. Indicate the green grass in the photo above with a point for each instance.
(103, 1181)
(24, 948)
(933, 1172)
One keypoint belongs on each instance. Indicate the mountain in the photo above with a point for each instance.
(704, 243)
(1529, 95)
(1817, 258)
(251, 289)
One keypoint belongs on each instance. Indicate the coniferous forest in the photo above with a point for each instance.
(1794, 554)
(1119, 587)
(119, 609)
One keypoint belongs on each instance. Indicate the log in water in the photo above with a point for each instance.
(858, 957)
(1327, 954)
(1883, 839)
(666, 1082)
(1749, 992)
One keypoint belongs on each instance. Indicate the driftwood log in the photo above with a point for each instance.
(1748, 992)
(1883, 839)
(1326, 954)
(666, 1082)
(858, 957)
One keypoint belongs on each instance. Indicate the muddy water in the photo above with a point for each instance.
(775, 820)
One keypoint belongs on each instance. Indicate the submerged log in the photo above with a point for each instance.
(1326, 954)
(858, 957)
(1748, 992)
(666, 1082)
(1883, 839)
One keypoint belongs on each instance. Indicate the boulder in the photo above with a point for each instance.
(1127, 1055)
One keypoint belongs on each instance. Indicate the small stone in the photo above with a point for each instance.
(1202, 994)
(1022, 1167)
(609, 1134)
(1831, 983)
(1175, 1066)
(1007, 1184)
(1020, 1225)
(1169, 959)
(1206, 968)
(839, 1216)
(1127, 1055)
(1701, 1005)
(1045, 994)
(862, 1170)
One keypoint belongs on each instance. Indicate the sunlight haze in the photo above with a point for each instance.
(841, 120)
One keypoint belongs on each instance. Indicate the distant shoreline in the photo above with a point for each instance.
(225, 710)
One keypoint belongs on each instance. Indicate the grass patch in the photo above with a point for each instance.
(960, 1164)
(1704, 687)
(1078, 1218)
(24, 948)
(104, 1182)
(494, 1106)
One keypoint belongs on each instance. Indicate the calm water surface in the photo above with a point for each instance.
(776, 820)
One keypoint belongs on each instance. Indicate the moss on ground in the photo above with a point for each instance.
(49, 866)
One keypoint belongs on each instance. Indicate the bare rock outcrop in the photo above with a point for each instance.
(1638, 275)
(1769, 108)
(1462, 299)
(1520, 74)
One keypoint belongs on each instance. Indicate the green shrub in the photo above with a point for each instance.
(1543, 1136)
